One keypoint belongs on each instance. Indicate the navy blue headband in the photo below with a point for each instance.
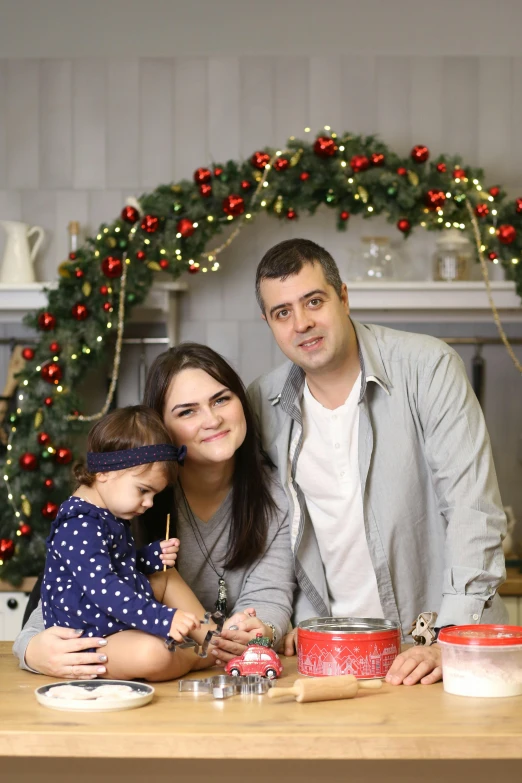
(102, 461)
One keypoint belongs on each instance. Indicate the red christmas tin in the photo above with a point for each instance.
(363, 647)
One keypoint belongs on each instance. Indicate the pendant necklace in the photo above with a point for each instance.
(221, 603)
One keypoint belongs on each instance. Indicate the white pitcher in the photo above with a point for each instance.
(17, 265)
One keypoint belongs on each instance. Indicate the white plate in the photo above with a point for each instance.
(144, 694)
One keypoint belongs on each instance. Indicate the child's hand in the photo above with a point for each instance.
(182, 624)
(169, 552)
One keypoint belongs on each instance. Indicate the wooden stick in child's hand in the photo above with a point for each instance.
(167, 537)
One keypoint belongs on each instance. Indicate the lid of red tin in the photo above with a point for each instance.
(482, 635)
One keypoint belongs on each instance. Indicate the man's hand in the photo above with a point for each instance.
(418, 664)
(58, 652)
(238, 630)
(289, 645)
(169, 552)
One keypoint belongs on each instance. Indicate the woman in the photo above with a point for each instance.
(229, 513)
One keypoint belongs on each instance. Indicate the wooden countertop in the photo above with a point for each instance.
(420, 722)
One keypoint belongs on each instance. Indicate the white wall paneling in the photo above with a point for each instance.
(123, 126)
(3, 123)
(190, 113)
(22, 123)
(156, 100)
(56, 140)
(89, 123)
(223, 108)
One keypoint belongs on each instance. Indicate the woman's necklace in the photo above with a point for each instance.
(221, 603)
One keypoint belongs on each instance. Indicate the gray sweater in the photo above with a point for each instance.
(267, 585)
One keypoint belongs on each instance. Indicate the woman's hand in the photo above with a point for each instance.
(290, 643)
(58, 652)
(169, 552)
(237, 631)
(418, 664)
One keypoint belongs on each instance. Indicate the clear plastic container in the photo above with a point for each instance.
(482, 660)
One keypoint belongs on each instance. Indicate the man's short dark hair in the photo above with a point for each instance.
(288, 258)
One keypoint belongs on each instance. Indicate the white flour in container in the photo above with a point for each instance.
(484, 679)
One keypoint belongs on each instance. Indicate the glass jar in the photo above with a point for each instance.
(453, 256)
(378, 260)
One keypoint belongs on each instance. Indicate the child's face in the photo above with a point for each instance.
(128, 493)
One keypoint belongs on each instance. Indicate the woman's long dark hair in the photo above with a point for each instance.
(252, 503)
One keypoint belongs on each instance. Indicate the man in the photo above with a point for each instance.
(383, 452)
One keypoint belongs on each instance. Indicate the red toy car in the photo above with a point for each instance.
(257, 659)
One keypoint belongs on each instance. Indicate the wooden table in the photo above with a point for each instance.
(396, 735)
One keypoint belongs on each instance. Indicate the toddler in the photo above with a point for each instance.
(94, 579)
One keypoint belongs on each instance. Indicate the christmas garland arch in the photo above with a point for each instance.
(171, 229)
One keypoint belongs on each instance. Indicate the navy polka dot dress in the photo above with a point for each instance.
(95, 580)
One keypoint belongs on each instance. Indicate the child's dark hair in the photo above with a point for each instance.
(126, 428)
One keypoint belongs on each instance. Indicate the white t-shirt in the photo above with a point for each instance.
(328, 474)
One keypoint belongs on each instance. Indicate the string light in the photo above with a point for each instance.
(117, 229)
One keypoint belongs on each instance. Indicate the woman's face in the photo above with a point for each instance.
(203, 415)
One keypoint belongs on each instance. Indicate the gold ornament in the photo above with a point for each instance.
(64, 270)
(257, 176)
(38, 419)
(363, 193)
(111, 242)
(413, 178)
(26, 508)
(278, 205)
(86, 288)
(176, 188)
(296, 157)
(154, 266)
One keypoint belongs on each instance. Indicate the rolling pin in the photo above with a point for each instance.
(324, 688)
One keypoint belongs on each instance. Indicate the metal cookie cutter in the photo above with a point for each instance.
(222, 686)
(218, 617)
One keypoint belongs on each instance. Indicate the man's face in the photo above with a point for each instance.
(308, 319)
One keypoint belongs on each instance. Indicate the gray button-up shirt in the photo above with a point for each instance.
(432, 511)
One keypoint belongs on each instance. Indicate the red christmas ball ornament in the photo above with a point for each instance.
(150, 224)
(63, 456)
(401, 171)
(193, 269)
(51, 373)
(304, 175)
(325, 147)
(218, 171)
(49, 510)
(48, 483)
(492, 255)
(28, 461)
(25, 530)
(280, 164)
(359, 163)
(482, 210)
(164, 264)
(141, 255)
(260, 159)
(79, 273)
(494, 191)
(420, 153)
(434, 199)
(205, 190)
(233, 205)
(246, 185)
(202, 176)
(518, 205)
(377, 159)
(441, 168)
(459, 174)
(344, 215)
(28, 354)
(130, 214)
(55, 347)
(72, 256)
(79, 311)
(506, 234)
(43, 438)
(403, 225)
(112, 267)
(107, 306)
(7, 548)
(104, 290)
(46, 322)
(185, 227)
(48, 401)
(291, 214)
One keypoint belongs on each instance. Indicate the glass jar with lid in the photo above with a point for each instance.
(378, 259)
(453, 256)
